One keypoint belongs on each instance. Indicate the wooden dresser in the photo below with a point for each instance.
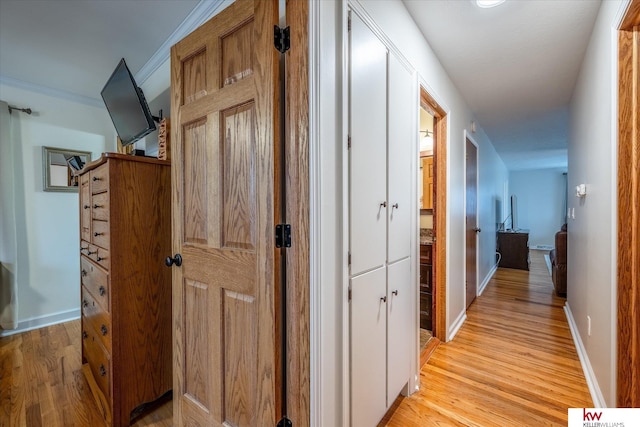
(426, 287)
(513, 247)
(125, 234)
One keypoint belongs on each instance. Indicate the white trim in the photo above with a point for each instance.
(590, 376)
(455, 327)
(487, 278)
(617, 22)
(315, 231)
(55, 93)
(203, 11)
(42, 321)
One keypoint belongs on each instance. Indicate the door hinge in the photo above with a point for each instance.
(349, 142)
(349, 258)
(349, 22)
(349, 295)
(281, 38)
(283, 235)
(284, 422)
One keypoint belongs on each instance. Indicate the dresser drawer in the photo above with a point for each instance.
(425, 254)
(100, 233)
(102, 258)
(96, 280)
(85, 208)
(100, 206)
(97, 318)
(425, 278)
(99, 179)
(97, 358)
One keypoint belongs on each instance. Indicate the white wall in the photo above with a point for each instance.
(48, 224)
(591, 265)
(541, 210)
(328, 240)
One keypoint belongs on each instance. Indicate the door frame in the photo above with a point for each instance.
(439, 254)
(628, 217)
(472, 141)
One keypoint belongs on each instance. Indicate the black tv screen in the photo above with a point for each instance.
(127, 107)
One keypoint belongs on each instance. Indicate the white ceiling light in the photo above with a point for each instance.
(489, 3)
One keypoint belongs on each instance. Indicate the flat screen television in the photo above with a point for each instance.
(127, 106)
(514, 212)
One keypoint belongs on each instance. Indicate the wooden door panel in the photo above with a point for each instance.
(401, 300)
(471, 222)
(224, 94)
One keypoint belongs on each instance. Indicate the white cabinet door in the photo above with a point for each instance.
(368, 348)
(400, 331)
(403, 111)
(368, 153)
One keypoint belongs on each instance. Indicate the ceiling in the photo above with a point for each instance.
(515, 65)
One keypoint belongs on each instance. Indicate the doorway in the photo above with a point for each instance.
(438, 250)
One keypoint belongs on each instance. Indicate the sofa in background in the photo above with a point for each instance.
(558, 258)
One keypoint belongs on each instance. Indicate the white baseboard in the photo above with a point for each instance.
(42, 321)
(455, 327)
(590, 376)
(487, 278)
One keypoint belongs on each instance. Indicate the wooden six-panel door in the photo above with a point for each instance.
(224, 97)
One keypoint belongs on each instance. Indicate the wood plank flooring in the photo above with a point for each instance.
(513, 362)
(41, 382)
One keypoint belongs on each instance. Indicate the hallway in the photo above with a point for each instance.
(512, 363)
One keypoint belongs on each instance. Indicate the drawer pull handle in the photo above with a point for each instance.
(86, 206)
(84, 273)
(102, 291)
(85, 303)
(97, 206)
(103, 371)
(84, 335)
(395, 292)
(95, 178)
(383, 299)
(103, 329)
(96, 234)
(91, 253)
(99, 259)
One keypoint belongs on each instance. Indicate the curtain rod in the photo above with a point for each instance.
(24, 110)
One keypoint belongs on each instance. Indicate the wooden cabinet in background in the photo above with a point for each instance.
(513, 247)
(427, 182)
(426, 288)
(125, 234)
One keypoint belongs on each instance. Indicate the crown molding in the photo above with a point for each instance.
(55, 93)
(204, 10)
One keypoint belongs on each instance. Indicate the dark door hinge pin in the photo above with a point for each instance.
(281, 38)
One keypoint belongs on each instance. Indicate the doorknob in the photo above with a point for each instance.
(477, 230)
(177, 260)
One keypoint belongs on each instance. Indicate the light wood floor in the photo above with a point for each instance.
(513, 362)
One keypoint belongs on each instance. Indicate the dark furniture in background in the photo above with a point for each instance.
(558, 258)
(426, 287)
(513, 247)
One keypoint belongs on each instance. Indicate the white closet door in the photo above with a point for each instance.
(400, 306)
(367, 156)
(403, 111)
(368, 349)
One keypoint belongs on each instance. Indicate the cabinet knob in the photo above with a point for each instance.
(96, 234)
(86, 206)
(102, 290)
(383, 204)
(395, 292)
(177, 260)
(97, 206)
(95, 178)
(83, 273)
(103, 371)
(104, 329)
(84, 335)
(383, 299)
(99, 259)
(477, 230)
(395, 205)
(85, 303)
